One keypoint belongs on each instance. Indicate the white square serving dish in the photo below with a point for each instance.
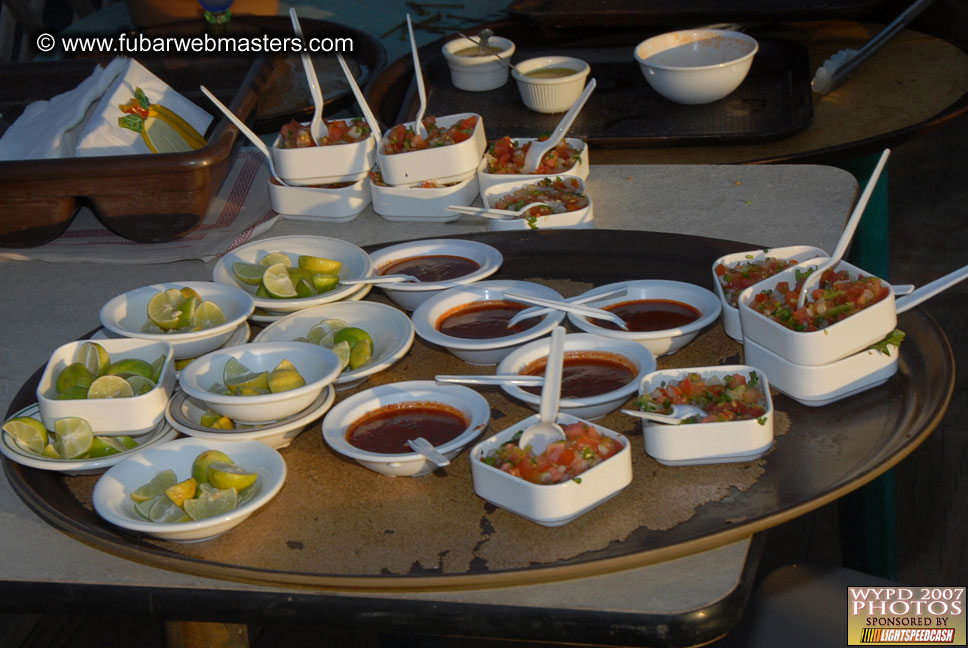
(487, 180)
(441, 163)
(315, 165)
(419, 204)
(321, 204)
(577, 219)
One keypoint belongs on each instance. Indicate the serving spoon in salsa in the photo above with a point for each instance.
(679, 414)
(538, 149)
(546, 430)
(316, 124)
(500, 214)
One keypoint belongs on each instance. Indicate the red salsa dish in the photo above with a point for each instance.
(586, 373)
(338, 131)
(732, 398)
(388, 429)
(584, 447)
(737, 278)
(432, 267)
(484, 320)
(565, 194)
(642, 315)
(836, 298)
(507, 156)
(403, 139)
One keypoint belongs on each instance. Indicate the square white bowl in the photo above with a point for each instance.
(578, 219)
(110, 416)
(417, 204)
(550, 504)
(442, 163)
(706, 443)
(314, 165)
(580, 169)
(320, 204)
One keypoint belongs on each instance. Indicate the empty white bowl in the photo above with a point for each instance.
(550, 94)
(112, 493)
(442, 163)
(661, 342)
(125, 314)
(341, 418)
(580, 169)
(318, 366)
(321, 204)
(315, 165)
(577, 219)
(696, 66)
(550, 504)
(420, 204)
(478, 73)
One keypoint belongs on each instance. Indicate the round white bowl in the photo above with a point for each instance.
(696, 66)
(412, 464)
(578, 219)
(390, 328)
(410, 295)
(482, 352)
(320, 204)
(318, 366)
(125, 314)
(550, 95)
(442, 163)
(590, 407)
(417, 204)
(478, 73)
(356, 265)
(581, 169)
(658, 342)
(112, 493)
(315, 165)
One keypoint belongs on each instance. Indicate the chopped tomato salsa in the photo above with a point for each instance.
(338, 131)
(507, 156)
(732, 398)
(737, 278)
(402, 139)
(565, 194)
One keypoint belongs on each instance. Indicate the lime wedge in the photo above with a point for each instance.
(156, 368)
(325, 282)
(74, 375)
(216, 421)
(304, 288)
(164, 308)
(181, 491)
(110, 387)
(165, 511)
(277, 282)
(237, 376)
(140, 385)
(275, 257)
(318, 331)
(203, 461)
(342, 351)
(212, 503)
(226, 475)
(187, 313)
(105, 446)
(29, 433)
(131, 367)
(360, 354)
(162, 480)
(319, 265)
(51, 452)
(74, 437)
(352, 335)
(93, 356)
(143, 507)
(285, 377)
(208, 315)
(248, 273)
(77, 392)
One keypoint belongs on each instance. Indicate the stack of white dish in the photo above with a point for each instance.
(577, 219)
(580, 169)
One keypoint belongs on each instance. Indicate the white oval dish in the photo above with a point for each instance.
(320, 204)
(578, 219)
(315, 165)
(478, 73)
(417, 204)
(442, 163)
(580, 169)
(551, 95)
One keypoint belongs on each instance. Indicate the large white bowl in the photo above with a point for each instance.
(315, 165)
(578, 219)
(110, 416)
(390, 328)
(696, 66)
(125, 314)
(580, 169)
(356, 265)
(478, 73)
(442, 163)
(589, 407)
(112, 493)
(482, 352)
(550, 504)
(553, 95)
(417, 204)
(410, 295)
(320, 204)
(318, 366)
(412, 464)
(658, 342)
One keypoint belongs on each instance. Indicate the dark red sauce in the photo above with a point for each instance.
(650, 315)
(433, 267)
(388, 429)
(484, 320)
(586, 373)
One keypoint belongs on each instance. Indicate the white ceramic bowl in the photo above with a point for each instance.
(315, 165)
(338, 421)
(706, 443)
(550, 504)
(110, 416)
(578, 219)
(125, 314)
(489, 351)
(730, 313)
(442, 163)
(658, 342)
(320, 204)
(418, 204)
(581, 169)
(696, 66)
(390, 328)
(827, 345)
(318, 366)
(581, 344)
(112, 493)
(552, 95)
(356, 265)
(410, 295)
(478, 73)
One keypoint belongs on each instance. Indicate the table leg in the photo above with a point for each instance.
(197, 634)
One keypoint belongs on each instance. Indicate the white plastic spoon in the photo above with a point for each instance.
(427, 449)
(546, 430)
(360, 99)
(380, 279)
(316, 125)
(540, 311)
(537, 149)
(501, 214)
(577, 309)
(679, 414)
(929, 290)
(418, 126)
(494, 379)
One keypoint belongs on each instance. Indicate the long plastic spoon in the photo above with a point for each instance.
(500, 214)
(848, 232)
(539, 311)
(418, 126)
(929, 290)
(258, 143)
(679, 414)
(577, 309)
(360, 99)
(494, 379)
(316, 125)
(537, 149)
(427, 449)
(546, 430)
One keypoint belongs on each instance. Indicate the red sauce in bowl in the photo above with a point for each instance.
(484, 320)
(643, 315)
(388, 429)
(586, 373)
(432, 267)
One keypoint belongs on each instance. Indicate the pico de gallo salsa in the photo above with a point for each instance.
(731, 398)
(836, 298)
(338, 131)
(737, 278)
(565, 194)
(402, 139)
(507, 156)
(584, 447)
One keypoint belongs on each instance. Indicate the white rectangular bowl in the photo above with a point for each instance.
(487, 180)
(578, 219)
(320, 204)
(442, 163)
(415, 204)
(315, 165)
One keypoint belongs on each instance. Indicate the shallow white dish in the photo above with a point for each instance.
(417, 204)
(410, 295)
(12, 450)
(550, 504)
(478, 73)
(578, 219)
(702, 443)
(185, 415)
(356, 265)
(112, 493)
(318, 366)
(110, 416)
(488, 351)
(658, 342)
(442, 163)
(696, 66)
(589, 407)
(581, 169)
(320, 204)
(314, 165)
(550, 95)
(730, 313)
(337, 423)
(125, 314)
(267, 317)
(390, 328)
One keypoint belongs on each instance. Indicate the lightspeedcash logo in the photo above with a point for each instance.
(922, 616)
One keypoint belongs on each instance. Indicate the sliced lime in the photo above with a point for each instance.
(182, 491)
(131, 367)
(318, 331)
(77, 392)
(29, 433)
(165, 511)
(93, 356)
(277, 282)
(163, 479)
(208, 315)
(248, 273)
(110, 387)
(319, 265)
(342, 351)
(103, 446)
(74, 375)
(275, 257)
(74, 437)
(323, 283)
(360, 354)
(225, 475)
(352, 335)
(204, 460)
